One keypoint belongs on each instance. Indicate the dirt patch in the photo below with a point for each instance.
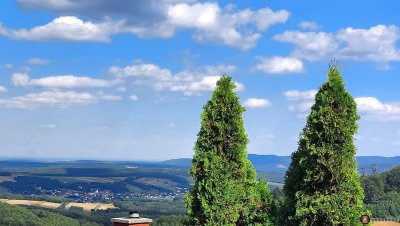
(385, 223)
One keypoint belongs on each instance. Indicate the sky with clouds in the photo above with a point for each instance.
(127, 79)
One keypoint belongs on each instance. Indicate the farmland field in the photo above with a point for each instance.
(387, 223)
(44, 204)
(88, 207)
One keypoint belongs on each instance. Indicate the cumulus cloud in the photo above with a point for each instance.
(3, 89)
(309, 25)
(301, 108)
(9, 66)
(377, 44)
(280, 65)
(121, 89)
(48, 99)
(225, 26)
(372, 108)
(110, 97)
(300, 95)
(301, 101)
(38, 61)
(310, 45)
(187, 82)
(257, 103)
(61, 81)
(68, 28)
(134, 98)
(239, 28)
(150, 71)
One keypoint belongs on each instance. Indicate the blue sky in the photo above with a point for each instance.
(128, 80)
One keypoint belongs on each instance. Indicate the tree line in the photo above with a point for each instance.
(382, 193)
(322, 186)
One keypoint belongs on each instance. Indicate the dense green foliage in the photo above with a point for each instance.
(225, 190)
(175, 220)
(20, 216)
(382, 193)
(153, 208)
(322, 186)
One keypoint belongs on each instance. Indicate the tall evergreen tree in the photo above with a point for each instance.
(225, 190)
(322, 186)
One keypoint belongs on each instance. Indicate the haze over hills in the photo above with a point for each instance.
(279, 164)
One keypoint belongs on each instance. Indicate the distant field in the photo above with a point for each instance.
(44, 204)
(386, 223)
(6, 178)
(87, 207)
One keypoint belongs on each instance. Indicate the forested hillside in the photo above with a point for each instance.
(382, 193)
(20, 216)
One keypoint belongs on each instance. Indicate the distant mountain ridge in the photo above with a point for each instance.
(279, 164)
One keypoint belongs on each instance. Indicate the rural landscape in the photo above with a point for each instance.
(199, 113)
(92, 192)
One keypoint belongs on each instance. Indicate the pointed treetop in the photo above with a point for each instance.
(226, 83)
(334, 71)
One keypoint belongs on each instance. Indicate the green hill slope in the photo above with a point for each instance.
(19, 216)
(382, 193)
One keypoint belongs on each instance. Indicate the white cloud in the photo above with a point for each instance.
(121, 89)
(48, 126)
(38, 61)
(309, 25)
(134, 98)
(377, 44)
(301, 107)
(239, 28)
(110, 97)
(372, 108)
(187, 82)
(48, 3)
(257, 103)
(310, 45)
(9, 66)
(48, 99)
(300, 95)
(301, 101)
(3, 89)
(61, 81)
(20, 79)
(368, 107)
(68, 28)
(143, 71)
(280, 65)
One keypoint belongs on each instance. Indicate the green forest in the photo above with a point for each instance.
(382, 193)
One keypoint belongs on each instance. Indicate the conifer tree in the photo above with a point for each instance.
(322, 186)
(225, 190)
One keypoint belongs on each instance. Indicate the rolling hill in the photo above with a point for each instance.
(279, 164)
